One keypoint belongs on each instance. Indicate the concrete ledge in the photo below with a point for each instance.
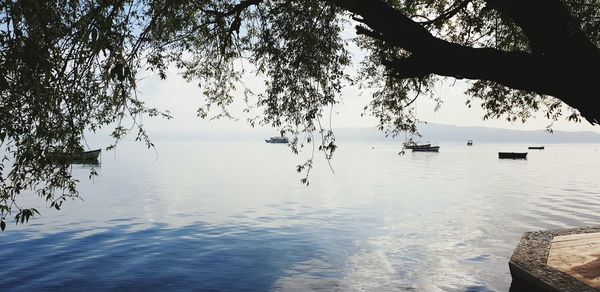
(528, 263)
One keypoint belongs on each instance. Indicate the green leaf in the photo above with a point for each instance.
(2, 225)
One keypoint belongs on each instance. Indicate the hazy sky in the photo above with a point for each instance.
(183, 99)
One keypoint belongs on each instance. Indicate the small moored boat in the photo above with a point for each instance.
(512, 155)
(469, 142)
(413, 145)
(536, 147)
(426, 149)
(76, 157)
(277, 140)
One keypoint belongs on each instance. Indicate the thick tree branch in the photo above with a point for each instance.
(564, 74)
(394, 26)
(548, 26)
(365, 31)
(453, 10)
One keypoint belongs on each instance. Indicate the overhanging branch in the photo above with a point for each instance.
(453, 10)
(547, 24)
(569, 73)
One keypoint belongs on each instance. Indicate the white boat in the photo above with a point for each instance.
(277, 140)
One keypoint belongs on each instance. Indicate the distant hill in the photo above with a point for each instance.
(449, 133)
(431, 132)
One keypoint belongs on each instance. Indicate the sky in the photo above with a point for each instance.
(183, 99)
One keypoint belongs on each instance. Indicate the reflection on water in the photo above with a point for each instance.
(233, 216)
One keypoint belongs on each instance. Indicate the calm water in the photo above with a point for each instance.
(232, 216)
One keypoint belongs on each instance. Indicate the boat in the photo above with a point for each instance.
(512, 155)
(418, 146)
(76, 157)
(426, 149)
(536, 147)
(413, 145)
(277, 140)
(470, 143)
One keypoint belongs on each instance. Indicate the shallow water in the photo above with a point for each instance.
(231, 216)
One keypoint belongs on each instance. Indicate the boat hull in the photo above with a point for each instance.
(417, 146)
(512, 155)
(427, 149)
(536, 147)
(277, 140)
(79, 157)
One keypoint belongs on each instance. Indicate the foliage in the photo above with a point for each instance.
(472, 23)
(64, 69)
(68, 66)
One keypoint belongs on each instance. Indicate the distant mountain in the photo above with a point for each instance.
(431, 132)
(449, 133)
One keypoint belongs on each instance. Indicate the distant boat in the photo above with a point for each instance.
(277, 140)
(426, 149)
(512, 155)
(536, 147)
(76, 157)
(470, 143)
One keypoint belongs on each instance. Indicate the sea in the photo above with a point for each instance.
(234, 216)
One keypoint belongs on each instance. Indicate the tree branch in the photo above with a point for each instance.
(394, 26)
(361, 30)
(453, 10)
(565, 74)
(547, 24)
